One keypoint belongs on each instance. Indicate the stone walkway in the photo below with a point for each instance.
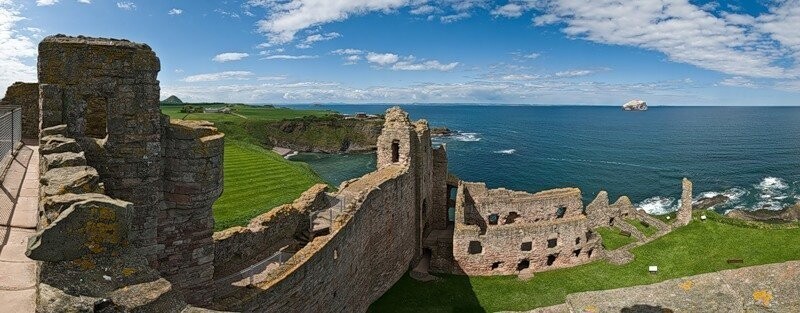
(18, 210)
(764, 288)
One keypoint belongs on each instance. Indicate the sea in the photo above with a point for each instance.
(749, 154)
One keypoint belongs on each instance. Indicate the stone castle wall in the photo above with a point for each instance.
(503, 232)
(106, 92)
(368, 250)
(26, 96)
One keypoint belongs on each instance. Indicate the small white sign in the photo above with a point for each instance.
(703, 217)
(653, 269)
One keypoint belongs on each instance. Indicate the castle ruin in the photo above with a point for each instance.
(125, 217)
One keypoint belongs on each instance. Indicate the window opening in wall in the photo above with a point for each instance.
(578, 240)
(511, 217)
(493, 218)
(496, 265)
(451, 214)
(395, 151)
(552, 243)
(589, 235)
(589, 253)
(96, 126)
(525, 263)
(561, 211)
(577, 253)
(611, 221)
(526, 246)
(551, 259)
(475, 247)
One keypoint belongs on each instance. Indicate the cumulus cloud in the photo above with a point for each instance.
(382, 58)
(347, 51)
(85, 1)
(220, 76)
(509, 10)
(454, 17)
(285, 19)
(230, 56)
(175, 11)
(43, 3)
(18, 51)
(684, 32)
(573, 73)
(125, 5)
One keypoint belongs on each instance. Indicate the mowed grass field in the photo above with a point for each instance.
(256, 179)
(700, 247)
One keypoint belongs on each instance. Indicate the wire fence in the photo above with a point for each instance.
(10, 130)
(325, 217)
(249, 273)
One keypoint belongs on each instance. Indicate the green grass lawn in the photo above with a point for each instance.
(647, 230)
(257, 180)
(700, 247)
(612, 239)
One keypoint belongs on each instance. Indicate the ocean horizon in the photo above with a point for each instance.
(746, 153)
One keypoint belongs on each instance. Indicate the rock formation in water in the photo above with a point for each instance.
(635, 105)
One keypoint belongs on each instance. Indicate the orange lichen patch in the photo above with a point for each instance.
(84, 263)
(590, 309)
(686, 285)
(762, 296)
(128, 271)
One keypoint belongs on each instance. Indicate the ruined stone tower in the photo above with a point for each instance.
(685, 211)
(106, 93)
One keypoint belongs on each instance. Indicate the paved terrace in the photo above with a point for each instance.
(18, 209)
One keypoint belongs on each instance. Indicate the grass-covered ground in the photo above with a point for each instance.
(613, 239)
(647, 230)
(256, 179)
(700, 247)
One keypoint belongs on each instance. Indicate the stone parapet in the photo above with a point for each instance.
(26, 96)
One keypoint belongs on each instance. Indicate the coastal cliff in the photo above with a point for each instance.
(325, 134)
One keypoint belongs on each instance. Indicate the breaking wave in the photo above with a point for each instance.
(507, 151)
(658, 205)
(467, 137)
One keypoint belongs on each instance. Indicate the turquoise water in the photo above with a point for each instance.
(750, 154)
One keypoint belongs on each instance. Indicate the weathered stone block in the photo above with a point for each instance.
(74, 179)
(26, 96)
(87, 227)
(51, 207)
(64, 159)
(54, 130)
(58, 144)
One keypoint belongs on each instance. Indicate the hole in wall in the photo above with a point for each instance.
(526, 246)
(551, 259)
(577, 253)
(525, 263)
(496, 265)
(493, 218)
(578, 240)
(395, 151)
(589, 253)
(475, 247)
(560, 211)
(552, 243)
(511, 217)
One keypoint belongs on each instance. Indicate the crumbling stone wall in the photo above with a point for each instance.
(438, 214)
(602, 214)
(26, 96)
(503, 232)
(106, 93)
(238, 247)
(368, 250)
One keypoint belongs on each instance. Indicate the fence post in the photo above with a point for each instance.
(13, 144)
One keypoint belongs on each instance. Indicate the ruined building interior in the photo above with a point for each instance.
(126, 194)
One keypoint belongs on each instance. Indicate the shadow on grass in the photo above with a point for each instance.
(454, 293)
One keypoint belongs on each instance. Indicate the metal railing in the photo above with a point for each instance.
(330, 213)
(10, 130)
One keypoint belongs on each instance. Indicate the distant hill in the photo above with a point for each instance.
(172, 100)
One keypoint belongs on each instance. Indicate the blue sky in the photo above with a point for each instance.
(668, 52)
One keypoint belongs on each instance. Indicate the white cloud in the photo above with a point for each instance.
(285, 19)
(382, 58)
(42, 3)
(737, 81)
(229, 56)
(574, 73)
(175, 11)
(352, 59)
(316, 38)
(268, 78)
(125, 5)
(347, 51)
(519, 77)
(509, 10)
(213, 77)
(85, 1)
(454, 17)
(289, 57)
(679, 29)
(18, 51)
(432, 65)
(423, 10)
